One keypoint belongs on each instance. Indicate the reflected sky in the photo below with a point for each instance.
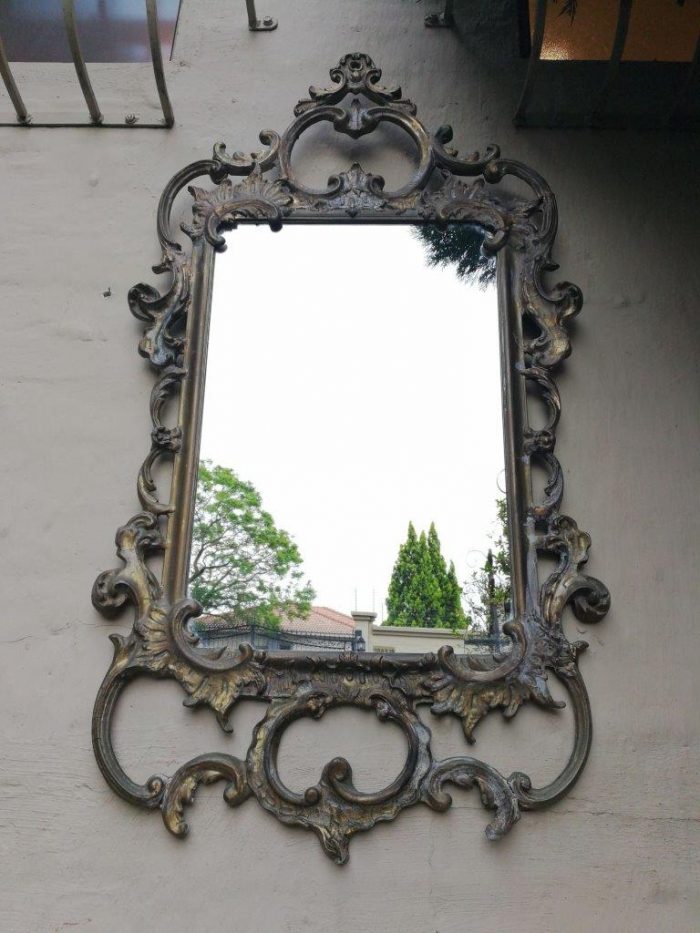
(358, 389)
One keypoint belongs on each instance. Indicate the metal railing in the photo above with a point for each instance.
(94, 116)
(486, 644)
(595, 114)
(266, 24)
(272, 639)
(609, 78)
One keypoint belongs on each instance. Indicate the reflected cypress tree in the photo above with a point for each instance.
(397, 599)
(459, 245)
(438, 569)
(453, 614)
(423, 592)
(425, 589)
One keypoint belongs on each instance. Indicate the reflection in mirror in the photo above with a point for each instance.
(351, 478)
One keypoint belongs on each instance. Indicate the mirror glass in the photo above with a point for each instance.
(351, 474)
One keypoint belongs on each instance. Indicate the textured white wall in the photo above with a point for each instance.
(78, 211)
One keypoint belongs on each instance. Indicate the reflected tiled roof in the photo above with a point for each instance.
(322, 620)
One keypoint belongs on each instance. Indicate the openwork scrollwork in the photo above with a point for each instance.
(444, 188)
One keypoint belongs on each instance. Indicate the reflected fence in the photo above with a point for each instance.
(274, 639)
(265, 638)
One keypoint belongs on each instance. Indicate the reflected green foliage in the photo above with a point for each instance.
(459, 245)
(242, 564)
(488, 591)
(423, 591)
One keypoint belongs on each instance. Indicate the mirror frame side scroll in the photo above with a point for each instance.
(443, 189)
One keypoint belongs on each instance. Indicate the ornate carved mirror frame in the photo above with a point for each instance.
(534, 341)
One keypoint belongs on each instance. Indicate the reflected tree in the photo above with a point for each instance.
(459, 245)
(423, 591)
(488, 591)
(242, 565)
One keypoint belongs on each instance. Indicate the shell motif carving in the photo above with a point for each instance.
(263, 188)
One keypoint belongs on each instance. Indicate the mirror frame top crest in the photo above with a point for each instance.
(444, 188)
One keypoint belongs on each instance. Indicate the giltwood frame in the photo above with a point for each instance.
(521, 231)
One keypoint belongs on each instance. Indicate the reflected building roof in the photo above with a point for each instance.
(321, 620)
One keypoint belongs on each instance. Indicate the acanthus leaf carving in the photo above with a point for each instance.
(134, 581)
(471, 694)
(162, 342)
(205, 769)
(355, 73)
(495, 791)
(392, 687)
(589, 597)
(255, 197)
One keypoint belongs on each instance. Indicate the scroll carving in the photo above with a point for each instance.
(444, 188)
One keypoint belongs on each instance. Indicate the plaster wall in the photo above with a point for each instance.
(78, 211)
